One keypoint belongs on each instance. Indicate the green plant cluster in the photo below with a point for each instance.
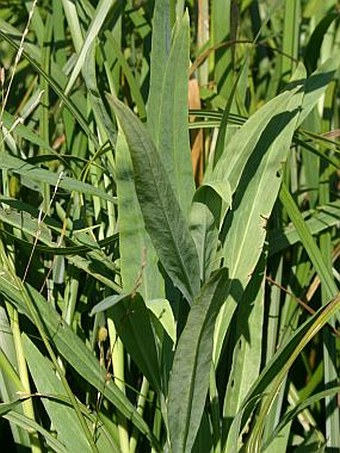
(169, 218)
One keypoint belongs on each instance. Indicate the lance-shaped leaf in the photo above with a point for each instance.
(164, 220)
(135, 246)
(172, 140)
(189, 379)
(257, 188)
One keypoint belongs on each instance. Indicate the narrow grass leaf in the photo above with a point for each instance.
(74, 351)
(277, 368)
(25, 132)
(33, 57)
(31, 172)
(302, 337)
(172, 140)
(99, 17)
(293, 413)
(28, 424)
(63, 418)
(321, 219)
(308, 242)
(189, 379)
(164, 220)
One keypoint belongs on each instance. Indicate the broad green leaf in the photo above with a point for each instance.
(204, 231)
(312, 52)
(189, 379)
(160, 48)
(172, 139)
(37, 174)
(161, 308)
(265, 140)
(107, 303)
(316, 85)
(132, 321)
(164, 220)
(246, 342)
(257, 134)
(137, 254)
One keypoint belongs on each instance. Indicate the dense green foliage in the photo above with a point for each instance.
(168, 226)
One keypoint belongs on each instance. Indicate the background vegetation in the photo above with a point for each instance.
(168, 277)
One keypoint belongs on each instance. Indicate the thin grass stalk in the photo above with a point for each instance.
(331, 376)
(39, 325)
(27, 405)
(142, 398)
(117, 351)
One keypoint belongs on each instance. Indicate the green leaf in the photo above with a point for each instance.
(265, 140)
(161, 41)
(37, 174)
(312, 52)
(321, 219)
(308, 242)
(132, 321)
(172, 137)
(63, 418)
(293, 413)
(137, 254)
(276, 371)
(29, 425)
(7, 407)
(279, 366)
(99, 17)
(205, 235)
(164, 220)
(316, 85)
(189, 379)
(246, 342)
(161, 308)
(74, 351)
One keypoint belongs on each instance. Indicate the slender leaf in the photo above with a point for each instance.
(189, 380)
(164, 220)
